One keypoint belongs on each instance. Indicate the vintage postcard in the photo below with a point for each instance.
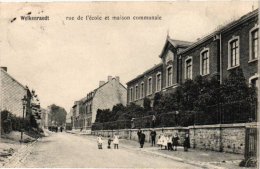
(129, 84)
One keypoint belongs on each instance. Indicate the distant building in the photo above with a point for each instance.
(45, 118)
(12, 93)
(231, 46)
(105, 96)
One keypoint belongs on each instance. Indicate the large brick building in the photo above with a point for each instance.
(12, 93)
(233, 45)
(105, 96)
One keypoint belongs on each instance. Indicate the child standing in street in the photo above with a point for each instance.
(99, 141)
(109, 142)
(175, 141)
(116, 141)
(169, 143)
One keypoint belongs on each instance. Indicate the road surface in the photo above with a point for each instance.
(75, 151)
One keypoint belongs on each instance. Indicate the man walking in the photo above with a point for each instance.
(153, 136)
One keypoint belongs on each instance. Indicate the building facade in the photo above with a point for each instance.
(105, 96)
(231, 46)
(12, 93)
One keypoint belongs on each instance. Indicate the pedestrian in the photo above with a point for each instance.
(153, 137)
(99, 141)
(175, 141)
(109, 142)
(186, 143)
(139, 132)
(116, 141)
(159, 141)
(56, 129)
(164, 141)
(61, 128)
(142, 140)
(153, 121)
(169, 143)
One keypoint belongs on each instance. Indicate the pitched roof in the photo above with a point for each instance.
(3, 71)
(176, 43)
(222, 29)
(179, 43)
(145, 72)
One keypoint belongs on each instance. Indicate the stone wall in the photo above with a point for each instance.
(221, 137)
(132, 133)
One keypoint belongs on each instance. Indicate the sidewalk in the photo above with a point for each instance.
(201, 158)
(208, 159)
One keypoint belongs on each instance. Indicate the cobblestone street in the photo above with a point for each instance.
(68, 150)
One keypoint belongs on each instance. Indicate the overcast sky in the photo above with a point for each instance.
(64, 60)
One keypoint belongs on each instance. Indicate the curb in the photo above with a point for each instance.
(23, 152)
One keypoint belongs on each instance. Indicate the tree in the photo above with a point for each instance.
(58, 114)
(147, 104)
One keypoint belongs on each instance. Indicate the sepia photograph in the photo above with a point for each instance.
(133, 84)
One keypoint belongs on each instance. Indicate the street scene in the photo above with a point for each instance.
(129, 85)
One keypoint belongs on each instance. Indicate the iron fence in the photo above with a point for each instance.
(112, 125)
(235, 112)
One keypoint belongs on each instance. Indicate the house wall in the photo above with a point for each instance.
(243, 32)
(212, 46)
(107, 96)
(12, 93)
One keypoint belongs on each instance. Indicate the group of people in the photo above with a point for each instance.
(115, 141)
(167, 141)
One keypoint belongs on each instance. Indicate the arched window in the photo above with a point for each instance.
(188, 68)
(169, 76)
(204, 62)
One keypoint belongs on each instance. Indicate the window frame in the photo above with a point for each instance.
(158, 74)
(255, 28)
(185, 71)
(234, 38)
(131, 94)
(148, 86)
(255, 76)
(205, 50)
(142, 89)
(136, 92)
(167, 76)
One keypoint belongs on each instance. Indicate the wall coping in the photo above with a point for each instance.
(233, 125)
(245, 125)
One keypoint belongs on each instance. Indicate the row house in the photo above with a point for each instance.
(12, 93)
(231, 46)
(105, 96)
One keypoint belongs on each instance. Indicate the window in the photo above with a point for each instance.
(142, 90)
(169, 56)
(136, 93)
(204, 62)
(188, 68)
(253, 81)
(158, 82)
(149, 86)
(233, 53)
(131, 94)
(169, 76)
(254, 47)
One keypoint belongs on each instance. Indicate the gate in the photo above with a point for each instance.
(251, 143)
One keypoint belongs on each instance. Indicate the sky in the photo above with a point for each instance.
(63, 60)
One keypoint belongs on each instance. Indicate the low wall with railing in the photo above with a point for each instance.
(220, 137)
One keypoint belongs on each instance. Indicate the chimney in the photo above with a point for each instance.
(101, 83)
(4, 68)
(117, 78)
(109, 78)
